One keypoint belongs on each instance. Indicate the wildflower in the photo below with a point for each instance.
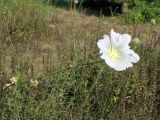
(13, 80)
(116, 51)
(7, 86)
(34, 83)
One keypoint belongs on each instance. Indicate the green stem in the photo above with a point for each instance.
(85, 64)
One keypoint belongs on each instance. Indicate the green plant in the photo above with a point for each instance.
(142, 11)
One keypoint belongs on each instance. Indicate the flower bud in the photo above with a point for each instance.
(153, 22)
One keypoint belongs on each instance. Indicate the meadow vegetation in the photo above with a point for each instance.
(53, 54)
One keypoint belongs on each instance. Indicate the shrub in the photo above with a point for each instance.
(142, 11)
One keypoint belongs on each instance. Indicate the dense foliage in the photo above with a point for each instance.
(135, 11)
(143, 10)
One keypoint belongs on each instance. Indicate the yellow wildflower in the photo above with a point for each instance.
(34, 83)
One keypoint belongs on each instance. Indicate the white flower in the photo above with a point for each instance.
(116, 51)
(13, 80)
(153, 22)
(34, 83)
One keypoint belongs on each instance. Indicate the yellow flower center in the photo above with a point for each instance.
(114, 54)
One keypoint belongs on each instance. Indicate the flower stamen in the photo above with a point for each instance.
(114, 54)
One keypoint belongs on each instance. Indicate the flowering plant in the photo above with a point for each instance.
(116, 52)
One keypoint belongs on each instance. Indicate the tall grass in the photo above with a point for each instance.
(58, 48)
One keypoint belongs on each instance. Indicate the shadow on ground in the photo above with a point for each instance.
(91, 7)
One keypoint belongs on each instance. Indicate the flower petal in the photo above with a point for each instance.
(120, 66)
(103, 56)
(124, 63)
(130, 55)
(104, 43)
(126, 39)
(109, 62)
(115, 37)
(134, 57)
